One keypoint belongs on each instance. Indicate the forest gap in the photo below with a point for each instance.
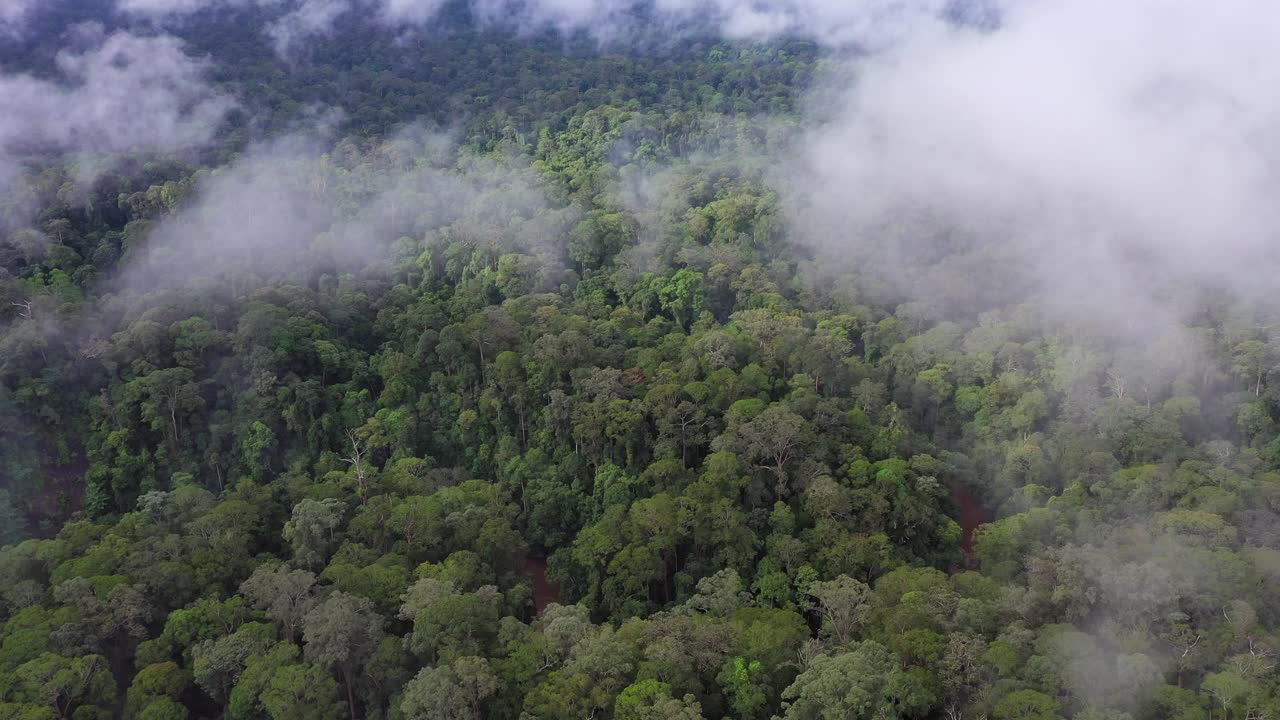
(973, 513)
(545, 592)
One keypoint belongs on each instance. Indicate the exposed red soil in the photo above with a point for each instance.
(972, 514)
(60, 496)
(545, 592)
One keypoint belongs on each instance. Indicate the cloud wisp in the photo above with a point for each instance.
(13, 15)
(298, 204)
(866, 24)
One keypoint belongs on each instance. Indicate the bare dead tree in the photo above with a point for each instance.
(28, 309)
(94, 348)
(1117, 383)
(356, 460)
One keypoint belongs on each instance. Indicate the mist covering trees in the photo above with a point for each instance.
(303, 481)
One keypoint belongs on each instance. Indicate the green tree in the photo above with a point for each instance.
(651, 700)
(683, 296)
(1026, 705)
(156, 682)
(843, 604)
(457, 691)
(66, 685)
(850, 685)
(340, 634)
(301, 692)
(312, 531)
(165, 398)
(286, 595)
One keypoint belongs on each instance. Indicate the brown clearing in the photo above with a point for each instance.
(545, 592)
(972, 514)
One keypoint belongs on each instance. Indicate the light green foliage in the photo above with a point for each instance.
(312, 530)
(340, 634)
(456, 691)
(446, 621)
(217, 664)
(153, 685)
(719, 595)
(843, 604)
(285, 595)
(850, 685)
(745, 687)
(651, 700)
(301, 691)
(66, 685)
(1026, 705)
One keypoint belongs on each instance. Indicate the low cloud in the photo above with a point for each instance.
(866, 24)
(1105, 158)
(172, 8)
(293, 21)
(115, 93)
(410, 12)
(307, 20)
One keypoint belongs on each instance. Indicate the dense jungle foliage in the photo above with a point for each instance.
(549, 451)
